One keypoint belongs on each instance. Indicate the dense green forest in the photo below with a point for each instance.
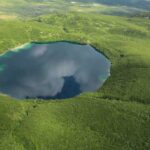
(117, 116)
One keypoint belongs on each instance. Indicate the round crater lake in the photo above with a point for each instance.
(54, 70)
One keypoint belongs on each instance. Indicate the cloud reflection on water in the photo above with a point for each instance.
(43, 70)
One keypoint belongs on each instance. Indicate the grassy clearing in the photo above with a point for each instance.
(7, 17)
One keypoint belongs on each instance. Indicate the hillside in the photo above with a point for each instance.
(144, 4)
(33, 8)
(115, 117)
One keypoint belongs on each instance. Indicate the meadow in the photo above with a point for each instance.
(116, 117)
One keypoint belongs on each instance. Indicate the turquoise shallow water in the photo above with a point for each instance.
(55, 70)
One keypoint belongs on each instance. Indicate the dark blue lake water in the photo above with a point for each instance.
(55, 70)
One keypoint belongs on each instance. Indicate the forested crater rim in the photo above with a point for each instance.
(20, 46)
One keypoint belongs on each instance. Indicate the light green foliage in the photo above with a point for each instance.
(116, 117)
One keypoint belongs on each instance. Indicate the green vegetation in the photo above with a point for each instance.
(116, 117)
(80, 123)
(32, 8)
